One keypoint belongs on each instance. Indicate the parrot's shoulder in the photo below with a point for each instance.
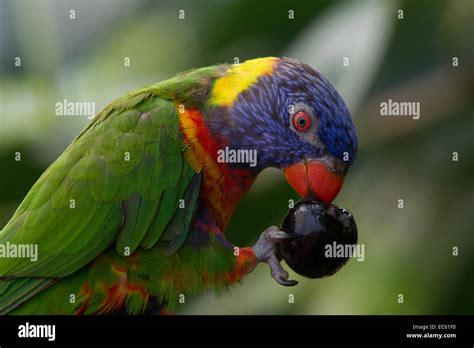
(190, 88)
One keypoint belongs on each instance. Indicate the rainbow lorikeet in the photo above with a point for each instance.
(131, 217)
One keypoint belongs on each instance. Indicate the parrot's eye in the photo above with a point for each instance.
(301, 121)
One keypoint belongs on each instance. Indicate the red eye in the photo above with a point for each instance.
(301, 121)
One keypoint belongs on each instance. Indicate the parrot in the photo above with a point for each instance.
(132, 216)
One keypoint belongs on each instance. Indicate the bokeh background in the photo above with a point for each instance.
(408, 251)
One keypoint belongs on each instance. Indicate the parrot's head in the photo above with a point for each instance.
(294, 119)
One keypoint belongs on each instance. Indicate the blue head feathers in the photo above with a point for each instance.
(262, 118)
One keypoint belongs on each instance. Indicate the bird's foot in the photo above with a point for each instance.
(266, 248)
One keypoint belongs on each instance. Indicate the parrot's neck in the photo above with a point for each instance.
(223, 185)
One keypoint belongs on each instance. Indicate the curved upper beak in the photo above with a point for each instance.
(321, 177)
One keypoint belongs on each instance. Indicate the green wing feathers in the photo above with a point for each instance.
(118, 184)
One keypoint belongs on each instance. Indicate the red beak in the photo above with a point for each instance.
(316, 177)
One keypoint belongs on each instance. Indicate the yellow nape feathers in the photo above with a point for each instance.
(239, 78)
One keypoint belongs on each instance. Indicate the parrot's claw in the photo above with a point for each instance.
(265, 250)
(276, 235)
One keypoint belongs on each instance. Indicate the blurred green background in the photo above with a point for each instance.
(408, 251)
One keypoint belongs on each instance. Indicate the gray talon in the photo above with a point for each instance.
(265, 250)
(287, 282)
(277, 235)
